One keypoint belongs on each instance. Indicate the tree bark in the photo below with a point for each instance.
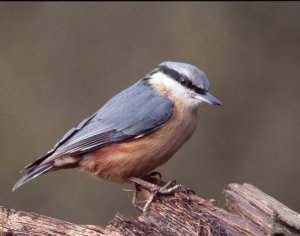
(248, 211)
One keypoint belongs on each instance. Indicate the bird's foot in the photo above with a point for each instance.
(153, 175)
(135, 200)
(154, 190)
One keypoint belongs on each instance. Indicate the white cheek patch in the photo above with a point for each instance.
(176, 89)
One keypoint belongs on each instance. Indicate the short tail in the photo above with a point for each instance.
(32, 174)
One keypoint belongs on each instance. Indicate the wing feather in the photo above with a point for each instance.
(134, 112)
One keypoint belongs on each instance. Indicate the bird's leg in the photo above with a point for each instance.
(135, 199)
(169, 187)
(145, 184)
(155, 175)
(149, 201)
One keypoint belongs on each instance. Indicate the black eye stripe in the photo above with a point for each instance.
(182, 79)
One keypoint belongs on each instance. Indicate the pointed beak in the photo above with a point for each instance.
(210, 99)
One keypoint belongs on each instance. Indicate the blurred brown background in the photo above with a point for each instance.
(59, 62)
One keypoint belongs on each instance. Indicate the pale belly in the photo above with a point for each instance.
(138, 157)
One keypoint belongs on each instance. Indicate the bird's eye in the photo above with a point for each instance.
(183, 80)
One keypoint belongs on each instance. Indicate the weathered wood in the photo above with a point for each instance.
(248, 211)
(256, 206)
(14, 222)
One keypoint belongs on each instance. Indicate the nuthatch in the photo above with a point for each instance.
(136, 131)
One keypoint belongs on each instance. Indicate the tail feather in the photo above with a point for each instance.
(32, 174)
(36, 162)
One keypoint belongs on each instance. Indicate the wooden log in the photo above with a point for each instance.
(248, 211)
(256, 206)
(14, 222)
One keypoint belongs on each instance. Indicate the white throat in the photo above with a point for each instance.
(187, 96)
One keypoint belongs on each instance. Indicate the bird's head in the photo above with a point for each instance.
(183, 81)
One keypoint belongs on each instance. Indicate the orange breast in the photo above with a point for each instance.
(138, 157)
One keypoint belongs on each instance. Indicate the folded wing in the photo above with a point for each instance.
(134, 112)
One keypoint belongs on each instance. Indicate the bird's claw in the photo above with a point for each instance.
(153, 177)
(155, 190)
(136, 202)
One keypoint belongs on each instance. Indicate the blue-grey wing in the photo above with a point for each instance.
(134, 112)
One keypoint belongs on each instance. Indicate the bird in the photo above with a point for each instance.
(135, 131)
